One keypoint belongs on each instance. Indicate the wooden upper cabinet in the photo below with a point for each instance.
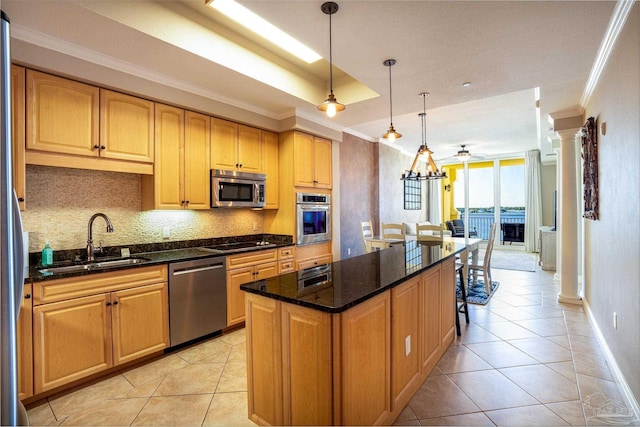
(249, 149)
(197, 181)
(270, 164)
(322, 163)
(224, 144)
(164, 190)
(235, 147)
(62, 115)
(126, 127)
(312, 161)
(181, 168)
(18, 129)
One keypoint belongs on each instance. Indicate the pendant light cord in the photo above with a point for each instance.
(390, 98)
(330, 59)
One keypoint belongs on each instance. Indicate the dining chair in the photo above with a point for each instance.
(485, 267)
(393, 233)
(370, 244)
(429, 232)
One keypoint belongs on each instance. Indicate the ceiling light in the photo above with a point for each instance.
(391, 134)
(264, 29)
(432, 172)
(331, 105)
(466, 84)
(463, 155)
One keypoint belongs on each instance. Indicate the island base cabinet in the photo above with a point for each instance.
(363, 387)
(264, 360)
(358, 367)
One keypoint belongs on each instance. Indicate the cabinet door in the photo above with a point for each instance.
(307, 355)
(126, 127)
(264, 271)
(71, 340)
(224, 144)
(322, 167)
(235, 297)
(25, 346)
(62, 115)
(18, 128)
(365, 349)
(430, 318)
(249, 149)
(270, 168)
(448, 305)
(303, 160)
(405, 345)
(169, 151)
(197, 182)
(140, 322)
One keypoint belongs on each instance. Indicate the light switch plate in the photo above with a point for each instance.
(165, 231)
(124, 252)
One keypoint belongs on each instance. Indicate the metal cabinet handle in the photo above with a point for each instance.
(27, 296)
(115, 303)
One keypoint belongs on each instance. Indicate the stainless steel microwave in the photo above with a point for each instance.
(233, 189)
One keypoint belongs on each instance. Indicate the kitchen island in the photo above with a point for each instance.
(352, 344)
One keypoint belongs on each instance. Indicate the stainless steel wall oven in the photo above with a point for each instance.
(313, 218)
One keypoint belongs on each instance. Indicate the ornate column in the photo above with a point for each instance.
(569, 292)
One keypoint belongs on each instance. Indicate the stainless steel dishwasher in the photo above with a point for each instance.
(197, 298)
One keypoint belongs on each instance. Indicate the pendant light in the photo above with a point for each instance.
(331, 106)
(432, 169)
(391, 134)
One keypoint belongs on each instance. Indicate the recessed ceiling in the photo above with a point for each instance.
(506, 49)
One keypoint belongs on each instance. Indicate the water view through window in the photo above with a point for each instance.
(492, 188)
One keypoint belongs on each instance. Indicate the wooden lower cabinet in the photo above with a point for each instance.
(405, 328)
(78, 337)
(71, 340)
(140, 322)
(358, 367)
(448, 304)
(25, 345)
(365, 363)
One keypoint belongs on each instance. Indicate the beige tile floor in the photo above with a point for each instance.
(524, 359)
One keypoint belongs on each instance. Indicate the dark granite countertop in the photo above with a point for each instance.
(354, 280)
(153, 254)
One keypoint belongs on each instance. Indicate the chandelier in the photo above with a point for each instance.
(432, 171)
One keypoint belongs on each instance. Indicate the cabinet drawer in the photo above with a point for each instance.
(74, 287)
(312, 262)
(286, 266)
(286, 253)
(253, 258)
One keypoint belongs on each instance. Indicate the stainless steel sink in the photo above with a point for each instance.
(96, 265)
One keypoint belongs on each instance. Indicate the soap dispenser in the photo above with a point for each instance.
(47, 254)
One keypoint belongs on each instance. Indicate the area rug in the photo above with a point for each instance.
(512, 260)
(477, 294)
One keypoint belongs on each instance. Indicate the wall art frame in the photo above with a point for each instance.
(590, 169)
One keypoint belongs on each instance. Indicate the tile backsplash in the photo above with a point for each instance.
(60, 202)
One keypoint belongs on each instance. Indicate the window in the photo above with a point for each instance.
(412, 195)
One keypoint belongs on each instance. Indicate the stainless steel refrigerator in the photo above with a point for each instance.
(11, 252)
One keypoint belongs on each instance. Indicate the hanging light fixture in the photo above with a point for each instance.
(391, 134)
(432, 169)
(331, 105)
(463, 155)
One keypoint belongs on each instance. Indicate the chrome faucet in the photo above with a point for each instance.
(90, 249)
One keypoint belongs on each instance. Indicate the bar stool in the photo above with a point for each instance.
(462, 307)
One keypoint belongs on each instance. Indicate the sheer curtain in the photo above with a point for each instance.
(435, 205)
(532, 200)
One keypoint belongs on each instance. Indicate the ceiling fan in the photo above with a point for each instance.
(463, 155)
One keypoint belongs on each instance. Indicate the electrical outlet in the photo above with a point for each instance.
(165, 231)
(407, 345)
(348, 251)
(615, 320)
(255, 225)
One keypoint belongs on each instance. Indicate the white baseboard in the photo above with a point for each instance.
(613, 365)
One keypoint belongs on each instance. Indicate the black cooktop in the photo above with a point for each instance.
(227, 248)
